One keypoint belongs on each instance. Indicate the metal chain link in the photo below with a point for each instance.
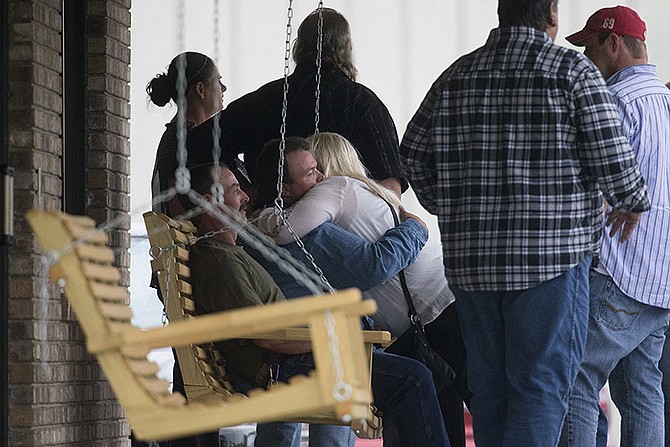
(319, 53)
(181, 25)
(156, 252)
(264, 245)
(284, 221)
(217, 31)
(164, 318)
(279, 201)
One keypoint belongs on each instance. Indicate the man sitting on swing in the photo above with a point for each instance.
(224, 277)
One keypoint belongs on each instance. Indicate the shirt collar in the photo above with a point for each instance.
(638, 69)
(516, 32)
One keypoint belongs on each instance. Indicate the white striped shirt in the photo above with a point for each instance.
(641, 266)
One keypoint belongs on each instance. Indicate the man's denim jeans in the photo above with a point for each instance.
(523, 353)
(287, 434)
(664, 366)
(403, 390)
(625, 342)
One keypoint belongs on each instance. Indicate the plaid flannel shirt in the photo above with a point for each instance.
(511, 148)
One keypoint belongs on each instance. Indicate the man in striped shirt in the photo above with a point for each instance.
(630, 286)
(511, 148)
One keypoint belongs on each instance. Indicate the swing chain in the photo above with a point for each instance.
(183, 178)
(285, 222)
(156, 252)
(216, 128)
(319, 52)
(279, 202)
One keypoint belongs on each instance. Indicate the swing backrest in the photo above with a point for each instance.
(202, 366)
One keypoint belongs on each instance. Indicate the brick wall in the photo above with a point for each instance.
(108, 114)
(58, 395)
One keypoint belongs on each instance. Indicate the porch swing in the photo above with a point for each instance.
(337, 391)
(201, 365)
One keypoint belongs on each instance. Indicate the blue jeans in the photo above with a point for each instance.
(523, 353)
(625, 342)
(664, 366)
(403, 391)
(287, 434)
(277, 434)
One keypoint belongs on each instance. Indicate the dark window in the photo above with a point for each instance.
(74, 106)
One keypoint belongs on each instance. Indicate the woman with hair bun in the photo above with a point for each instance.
(203, 98)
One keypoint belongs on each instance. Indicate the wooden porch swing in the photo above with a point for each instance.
(201, 365)
(79, 257)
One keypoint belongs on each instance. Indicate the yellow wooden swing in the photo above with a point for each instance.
(202, 365)
(339, 384)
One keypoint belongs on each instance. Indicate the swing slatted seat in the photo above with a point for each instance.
(84, 261)
(170, 240)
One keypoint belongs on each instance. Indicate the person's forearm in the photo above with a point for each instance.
(378, 262)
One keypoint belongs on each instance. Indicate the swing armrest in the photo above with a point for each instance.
(376, 337)
(238, 323)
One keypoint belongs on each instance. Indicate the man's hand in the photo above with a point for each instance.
(404, 215)
(624, 220)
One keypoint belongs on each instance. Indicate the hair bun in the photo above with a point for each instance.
(160, 89)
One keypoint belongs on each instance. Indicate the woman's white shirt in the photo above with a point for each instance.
(350, 205)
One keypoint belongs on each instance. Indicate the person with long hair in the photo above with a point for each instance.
(345, 106)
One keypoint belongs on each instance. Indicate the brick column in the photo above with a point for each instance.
(108, 91)
(58, 394)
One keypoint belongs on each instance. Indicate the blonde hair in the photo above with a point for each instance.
(335, 155)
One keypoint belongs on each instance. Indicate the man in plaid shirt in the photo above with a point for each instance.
(513, 148)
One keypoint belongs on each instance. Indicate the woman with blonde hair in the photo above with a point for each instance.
(350, 199)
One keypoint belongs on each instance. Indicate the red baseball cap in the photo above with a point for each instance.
(619, 20)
